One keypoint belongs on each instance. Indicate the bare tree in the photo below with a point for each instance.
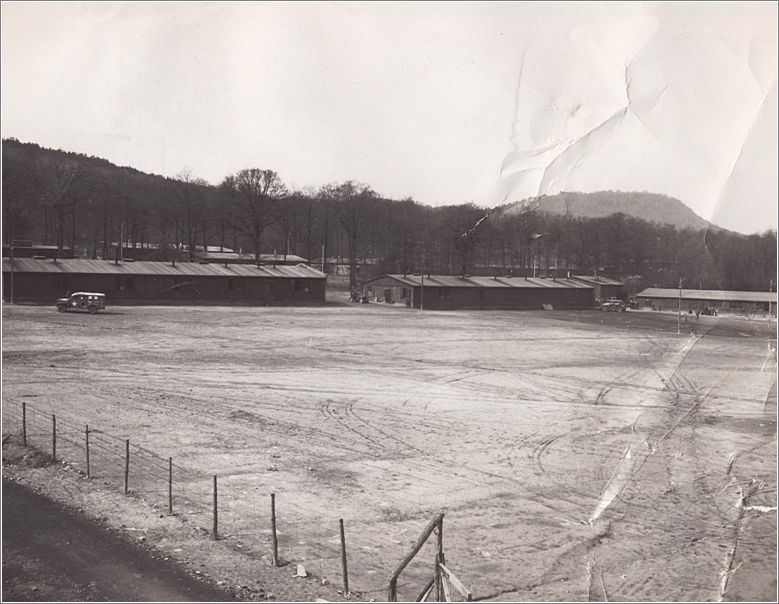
(191, 193)
(254, 194)
(55, 182)
(351, 201)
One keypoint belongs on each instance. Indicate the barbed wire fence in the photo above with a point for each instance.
(229, 508)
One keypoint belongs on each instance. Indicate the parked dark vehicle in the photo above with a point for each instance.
(613, 305)
(87, 301)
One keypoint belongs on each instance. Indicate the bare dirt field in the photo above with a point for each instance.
(577, 455)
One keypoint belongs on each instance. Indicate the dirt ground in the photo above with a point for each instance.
(576, 455)
(52, 553)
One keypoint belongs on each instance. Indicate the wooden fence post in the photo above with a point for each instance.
(54, 437)
(273, 529)
(437, 579)
(392, 587)
(344, 570)
(170, 486)
(214, 530)
(24, 424)
(126, 466)
(86, 433)
(439, 559)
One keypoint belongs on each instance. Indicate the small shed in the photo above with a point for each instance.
(451, 292)
(34, 280)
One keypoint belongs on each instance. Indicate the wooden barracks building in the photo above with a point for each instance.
(699, 299)
(45, 280)
(450, 292)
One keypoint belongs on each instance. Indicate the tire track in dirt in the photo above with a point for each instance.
(159, 401)
(632, 460)
(621, 379)
(690, 507)
(541, 449)
(432, 463)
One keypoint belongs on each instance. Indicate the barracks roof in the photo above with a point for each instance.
(184, 269)
(483, 282)
(709, 294)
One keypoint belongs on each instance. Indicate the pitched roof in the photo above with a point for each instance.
(218, 256)
(596, 280)
(184, 269)
(709, 294)
(483, 282)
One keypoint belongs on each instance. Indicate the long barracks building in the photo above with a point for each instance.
(449, 292)
(698, 299)
(43, 281)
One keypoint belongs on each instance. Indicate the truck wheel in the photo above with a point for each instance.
(92, 309)
(62, 307)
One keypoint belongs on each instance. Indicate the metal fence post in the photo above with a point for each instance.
(54, 437)
(214, 532)
(439, 558)
(126, 466)
(344, 570)
(86, 433)
(273, 529)
(170, 486)
(24, 424)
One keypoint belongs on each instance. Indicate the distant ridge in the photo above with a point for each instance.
(652, 207)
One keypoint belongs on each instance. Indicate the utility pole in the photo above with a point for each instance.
(422, 293)
(770, 289)
(679, 313)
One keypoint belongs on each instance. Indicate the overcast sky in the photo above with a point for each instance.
(442, 102)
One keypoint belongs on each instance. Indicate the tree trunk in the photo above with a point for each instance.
(352, 244)
(105, 230)
(60, 217)
(73, 228)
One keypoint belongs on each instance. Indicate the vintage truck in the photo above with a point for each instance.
(88, 301)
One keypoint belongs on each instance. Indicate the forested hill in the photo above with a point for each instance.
(651, 207)
(88, 204)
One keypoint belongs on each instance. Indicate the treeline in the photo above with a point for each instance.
(88, 204)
